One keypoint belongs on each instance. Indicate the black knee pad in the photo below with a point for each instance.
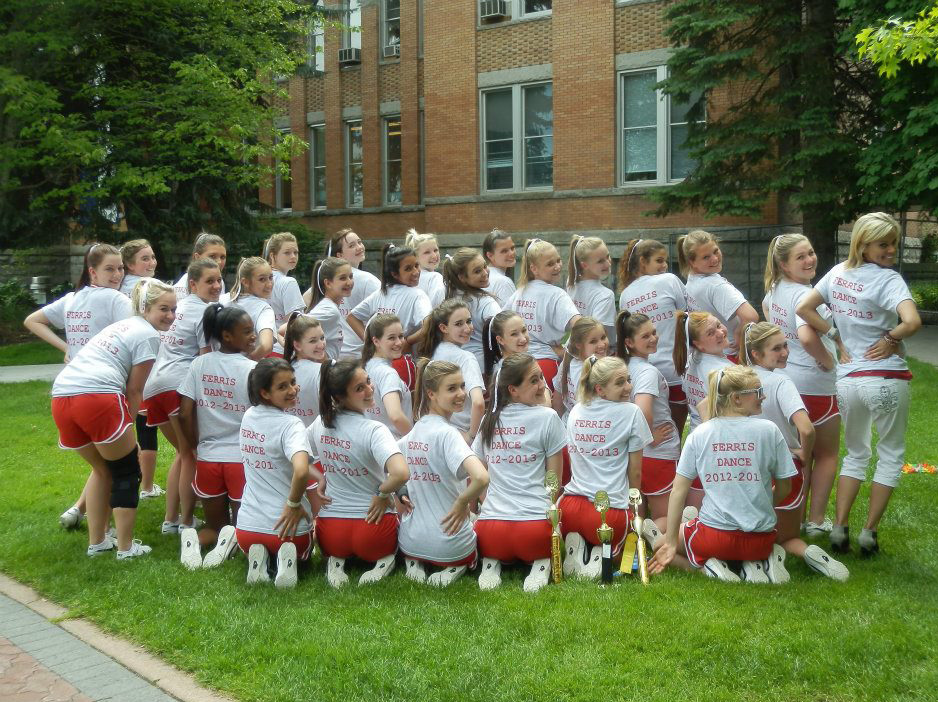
(146, 436)
(125, 481)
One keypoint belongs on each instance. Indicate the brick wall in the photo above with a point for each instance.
(316, 94)
(351, 78)
(389, 81)
(640, 27)
(517, 44)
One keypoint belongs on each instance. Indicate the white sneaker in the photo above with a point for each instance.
(155, 491)
(286, 566)
(650, 532)
(755, 572)
(574, 554)
(335, 572)
(776, 571)
(224, 547)
(190, 555)
(715, 568)
(107, 545)
(491, 575)
(257, 565)
(594, 566)
(814, 530)
(415, 571)
(137, 548)
(818, 561)
(169, 528)
(447, 576)
(539, 575)
(196, 524)
(689, 513)
(382, 568)
(71, 518)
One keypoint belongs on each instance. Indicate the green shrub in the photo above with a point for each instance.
(925, 295)
(15, 302)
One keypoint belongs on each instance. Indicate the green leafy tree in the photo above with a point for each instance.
(897, 41)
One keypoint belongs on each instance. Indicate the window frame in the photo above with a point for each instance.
(278, 181)
(352, 39)
(518, 11)
(349, 202)
(313, 154)
(386, 121)
(385, 33)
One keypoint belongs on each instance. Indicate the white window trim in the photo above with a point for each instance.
(517, 131)
(278, 184)
(385, 192)
(383, 34)
(518, 11)
(313, 167)
(349, 202)
(316, 50)
(352, 39)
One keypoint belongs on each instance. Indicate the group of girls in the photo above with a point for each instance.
(415, 415)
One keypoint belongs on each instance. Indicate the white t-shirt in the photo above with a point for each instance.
(104, 363)
(524, 438)
(434, 451)
(84, 313)
(181, 287)
(808, 376)
(780, 404)
(648, 380)
(363, 285)
(386, 380)
(270, 439)
(180, 344)
(481, 307)
(307, 399)
(471, 376)
(659, 297)
(864, 301)
(500, 285)
(546, 311)
(573, 382)
(715, 294)
(696, 376)
(601, 436)
(262, 314)
(285, 299)
(353, 456)
(593, 299)
(218, 384)
(736, 459)
(432, 285)
(128, 283)
(332, 321)
(411, 305)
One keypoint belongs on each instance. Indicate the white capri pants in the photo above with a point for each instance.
(864, 400)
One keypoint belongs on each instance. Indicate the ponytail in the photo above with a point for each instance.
(458, 265)
(217, 319)
(95, 254)
(323, 270)
(574, 346)
(723, 382)
(627, 324)
(246, 269)
(431, 335)
(687, 247)
(754, 337)
(779, 250)
(297, 327)
(334, 379)
(686, 329)
(513, 370)
(429, 375)
(492, 328)
(375, 330)
(596, 371)
(534, 249)
(391, 257)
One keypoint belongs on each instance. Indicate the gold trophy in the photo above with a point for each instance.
(556, 540)
(635, 500)
(604, 534)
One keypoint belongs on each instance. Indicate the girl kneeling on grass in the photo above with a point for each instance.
(607, 434)
(365, 468)
(736, 456)
(437, 532)
(275, 452)
(213, 400)
(94, 401)
(519, 441)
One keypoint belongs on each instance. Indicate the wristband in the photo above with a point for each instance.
(832, 333)
(890, 339)
(383, 495)
(291, 504)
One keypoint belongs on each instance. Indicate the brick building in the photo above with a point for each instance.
(455, 116)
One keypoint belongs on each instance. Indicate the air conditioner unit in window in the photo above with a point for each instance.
(391, 51)
(493, 10)
(349, 56)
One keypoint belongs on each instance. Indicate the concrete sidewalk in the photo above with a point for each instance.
(20, 374)
(924, 345)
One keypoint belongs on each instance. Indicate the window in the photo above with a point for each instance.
(352, 36)
(654, 130)
(354, 182)
(315, 43)
(534, 7)
(283, 185)
(391, 30)
(517, 144)
(317, 165)
(392, 161)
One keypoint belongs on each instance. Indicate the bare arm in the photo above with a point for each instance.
(187, 420)
(745, 313)
(392, 405)
(811, 342)
(396, 469)
(668, 547)
(264, 345)
(555, 463)
(909, 323)
(635, 468)
(459, 512)
(135, 382)
(806, 435)
(39, 324)
(645, 403)
(807, 310)
(357, 326)
(292, 516)
(478, 410)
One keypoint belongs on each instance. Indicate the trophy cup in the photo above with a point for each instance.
(554, 514)
(635, 500)
(604, 533)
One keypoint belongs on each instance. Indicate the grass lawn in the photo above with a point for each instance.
(29, 353)
(683, 638)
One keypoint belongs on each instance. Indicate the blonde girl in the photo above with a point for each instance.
(305, 349)
(606, 435)
(546, 309)
(428, 256)
(251, 293)
(765, 350)
(282, 252)
(499, 251)
(502, 335)
(519, 441)
(701, 262)
(446, 332)
(384, 346)
(209, 246)
(332, 282)
(587, 338)
(874, 312)
(648, 288)
(446, 480)
(466, 276)
(589, 264)
(737, 456)
(139, 262)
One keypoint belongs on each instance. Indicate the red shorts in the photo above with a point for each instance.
(407, 369)
(657, 475)
(821, 408)
(160, 407)
(91, 418)
(796, 496)
(274, 354)
(580, 515)
(469, 561)
(214, 479)
(702, 542)
(343, 538)
(549, 368)
(272, 542)
(734, 358)
(676, 395)
(513, 541)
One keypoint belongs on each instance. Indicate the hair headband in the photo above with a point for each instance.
(144, 288)
(720, 380)
(319, 279)
(391, 246)
(530, 241)
(746, 341)
(687, 332)
(498, 374)
(491, 324)
(628, 261)
(329, 249)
